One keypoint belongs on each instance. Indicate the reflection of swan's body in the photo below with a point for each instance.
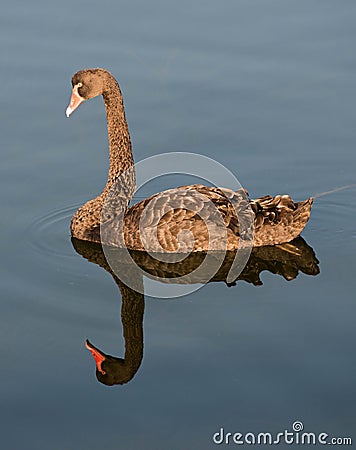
(285, 260)
(276, 219)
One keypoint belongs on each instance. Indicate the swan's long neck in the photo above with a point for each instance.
(121, 158)
(120, 186)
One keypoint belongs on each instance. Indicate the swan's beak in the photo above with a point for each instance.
(75, 101)
(98, 356)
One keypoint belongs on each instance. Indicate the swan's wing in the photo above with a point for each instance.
(279, 219)
(163, 218)
(207, 213)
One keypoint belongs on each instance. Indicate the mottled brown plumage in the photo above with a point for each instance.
(199, 218)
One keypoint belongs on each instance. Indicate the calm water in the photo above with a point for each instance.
(265, 88)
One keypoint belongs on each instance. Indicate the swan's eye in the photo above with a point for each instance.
(79, 88)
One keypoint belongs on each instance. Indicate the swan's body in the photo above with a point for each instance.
(276, 219)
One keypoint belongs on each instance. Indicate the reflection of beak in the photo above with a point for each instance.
(98, 355)
(75, 101)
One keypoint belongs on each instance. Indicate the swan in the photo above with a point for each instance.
(276, 219)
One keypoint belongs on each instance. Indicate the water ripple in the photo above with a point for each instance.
(49, 234)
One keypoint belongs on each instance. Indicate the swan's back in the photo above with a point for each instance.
(184, 219)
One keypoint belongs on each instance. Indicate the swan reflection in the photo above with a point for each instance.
(286, 260)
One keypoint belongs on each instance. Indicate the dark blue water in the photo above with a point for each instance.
(265, 88)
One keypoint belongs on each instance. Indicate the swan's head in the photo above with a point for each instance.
(88, 83)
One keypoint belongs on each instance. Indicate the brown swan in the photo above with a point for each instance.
(275, 220)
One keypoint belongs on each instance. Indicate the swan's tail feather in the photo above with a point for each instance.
(279, 219)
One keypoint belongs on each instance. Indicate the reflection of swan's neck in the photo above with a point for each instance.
(118, 133)
(132, 311)
(112, 370)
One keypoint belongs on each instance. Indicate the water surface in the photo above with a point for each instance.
(265, 88)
